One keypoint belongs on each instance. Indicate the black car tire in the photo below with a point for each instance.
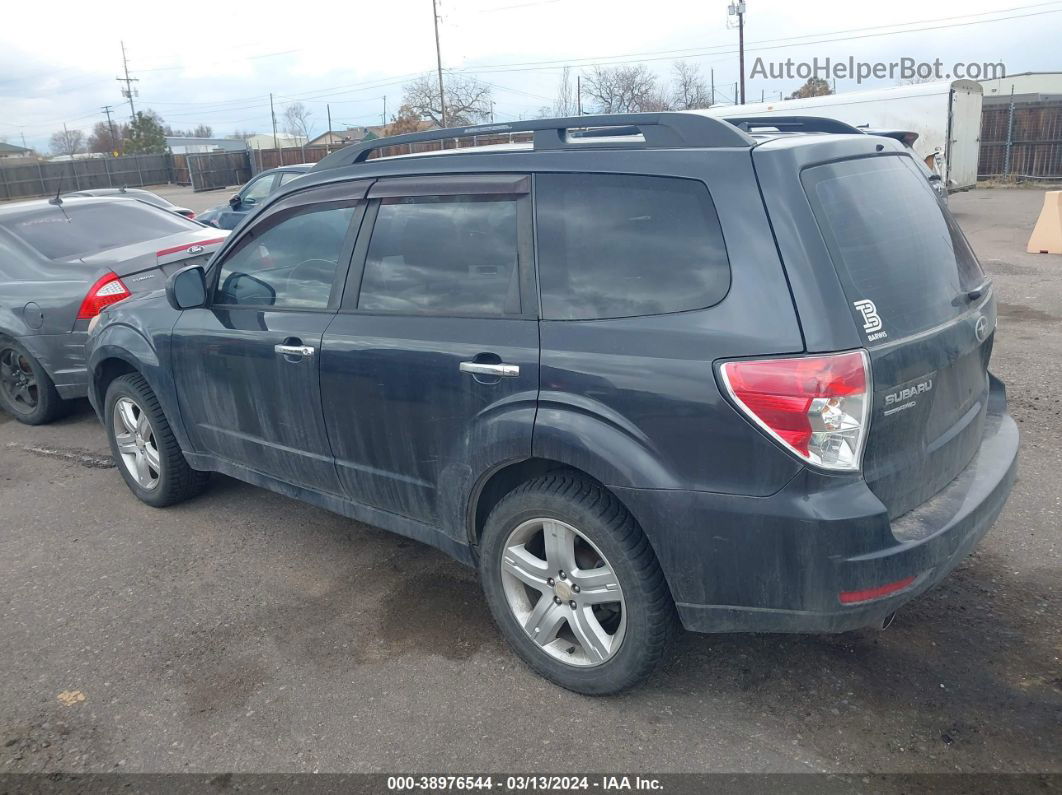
(603, 521)
(176, 480)
(48, 406)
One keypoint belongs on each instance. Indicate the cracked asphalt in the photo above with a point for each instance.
(244, 631)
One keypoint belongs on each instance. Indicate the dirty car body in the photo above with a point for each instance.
(785, 393)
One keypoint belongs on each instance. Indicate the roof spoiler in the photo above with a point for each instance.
(671, 130)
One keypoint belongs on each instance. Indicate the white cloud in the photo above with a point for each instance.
(218, 66)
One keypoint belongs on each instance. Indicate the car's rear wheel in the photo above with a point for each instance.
(144, 447)
(574, 585)
(27, 393)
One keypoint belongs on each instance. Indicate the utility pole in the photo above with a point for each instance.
(328, 109)
(23, 134)
(274, 115)
(738, 9)
(492, 111)
(579, 94)
(438, 62)
(713, 86)
(110, 125)
(384, 120)
(127, 92)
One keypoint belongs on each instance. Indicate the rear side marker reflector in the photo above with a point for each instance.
(186, 246)
(107, 290)
(815, 406)
(870, 594)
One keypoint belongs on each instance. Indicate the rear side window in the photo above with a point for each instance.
(902, 260)
(618, 246)
(81, 230)
(443, 255)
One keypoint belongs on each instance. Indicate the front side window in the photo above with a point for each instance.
(615, 245)
(258, 189)
(443, 255)
(291, 264)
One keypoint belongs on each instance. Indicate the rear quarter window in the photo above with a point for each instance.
(614, 245)
(79, 230)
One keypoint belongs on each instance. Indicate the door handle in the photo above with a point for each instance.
(479, 368)
(294, 350)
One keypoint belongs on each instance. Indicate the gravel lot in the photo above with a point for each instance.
(247, 632)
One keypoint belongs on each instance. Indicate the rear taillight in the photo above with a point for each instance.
(107, 290)
(816, 406)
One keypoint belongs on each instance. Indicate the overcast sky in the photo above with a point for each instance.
(215, 63)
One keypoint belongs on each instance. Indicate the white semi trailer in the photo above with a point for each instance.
(946, 116)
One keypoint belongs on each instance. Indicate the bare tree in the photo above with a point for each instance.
(623, 89)
(467, 100)
(67, 142)
(566, 103)
(690, 89)
(297, 117)
(814, 87)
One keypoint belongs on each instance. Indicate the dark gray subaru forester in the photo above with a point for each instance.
(646, 366)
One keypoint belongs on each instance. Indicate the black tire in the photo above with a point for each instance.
(36, 404)
(176, 481)
(602, 520)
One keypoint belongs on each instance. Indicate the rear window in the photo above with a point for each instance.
(901, 257)
(80, 230)
(614, 245)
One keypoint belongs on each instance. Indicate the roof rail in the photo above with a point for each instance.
(671, 130)
(793, 124)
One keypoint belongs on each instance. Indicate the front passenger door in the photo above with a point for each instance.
(247, 366)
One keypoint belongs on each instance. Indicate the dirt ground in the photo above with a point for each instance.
(244, 631)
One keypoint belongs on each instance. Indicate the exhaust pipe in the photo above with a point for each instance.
(887, 621)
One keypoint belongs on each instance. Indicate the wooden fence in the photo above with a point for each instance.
(1021, 141)
(212, 170)
(28, 179)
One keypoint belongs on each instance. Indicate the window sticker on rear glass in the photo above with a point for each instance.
(872, 324)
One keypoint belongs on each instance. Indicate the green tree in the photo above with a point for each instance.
(146, 135)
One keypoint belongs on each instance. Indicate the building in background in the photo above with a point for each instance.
(182, 145)
(10, 150)
(282, 141)
(1027, 87)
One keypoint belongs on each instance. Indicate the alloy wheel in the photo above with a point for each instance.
(18, 381)
(136, 443)
(563, 592)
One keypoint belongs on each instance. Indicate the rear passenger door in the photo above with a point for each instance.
(429, 373)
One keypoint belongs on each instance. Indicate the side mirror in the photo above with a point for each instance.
(186, 289)
(242, 288)
(234, 201)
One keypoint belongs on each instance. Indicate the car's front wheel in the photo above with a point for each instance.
(144, 447)
(574, 585)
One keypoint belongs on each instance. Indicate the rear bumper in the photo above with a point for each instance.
(63, 357)
(780, 563)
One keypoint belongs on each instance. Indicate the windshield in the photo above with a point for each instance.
(80, 230)
(899, 253)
